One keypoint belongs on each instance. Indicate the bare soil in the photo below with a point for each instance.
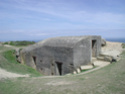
(5, 74)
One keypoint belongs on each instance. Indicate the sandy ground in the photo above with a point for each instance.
(5, 74)
(112, 49)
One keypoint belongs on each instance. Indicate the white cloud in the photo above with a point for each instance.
(75, 18)
(64, 11)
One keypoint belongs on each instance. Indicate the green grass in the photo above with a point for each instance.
(11, 87)
(20, 43)
(123, 45)
(88, 69)
(10, 56)
(8, 62)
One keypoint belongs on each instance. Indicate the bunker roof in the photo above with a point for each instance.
(68, 41)
(62, 41)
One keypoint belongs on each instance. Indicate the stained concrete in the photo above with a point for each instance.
(61, 55)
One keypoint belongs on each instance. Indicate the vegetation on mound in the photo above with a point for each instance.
(20, 43)
(123, 45)
(8, 62)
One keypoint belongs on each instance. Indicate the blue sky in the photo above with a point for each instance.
(39, 19)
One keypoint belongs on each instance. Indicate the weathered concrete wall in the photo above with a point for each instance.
(51, 55)
(82, 53)
(65, 56)
(46, 58)
(26, 58)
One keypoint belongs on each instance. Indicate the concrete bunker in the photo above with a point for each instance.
(61, 55)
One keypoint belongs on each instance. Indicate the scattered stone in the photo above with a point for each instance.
(103, 42)
(74, 72)
(104, 57)
(68, 74)
(78, 70)
(101, 63)
(115, 58)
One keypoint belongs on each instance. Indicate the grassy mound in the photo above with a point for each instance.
(9, 63)
(123, 45)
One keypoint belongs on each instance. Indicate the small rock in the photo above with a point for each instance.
(114, 59)
(108, 58)
(103, 42)
(78, 70)
(74, 72)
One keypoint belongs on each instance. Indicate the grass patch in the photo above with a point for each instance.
(9, 63)
(20, 43)
(123, 45)
(10, 56)
(85, 70)
(10, 87)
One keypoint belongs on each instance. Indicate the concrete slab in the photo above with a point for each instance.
(101, 63)
(86, 67)
(78, 70)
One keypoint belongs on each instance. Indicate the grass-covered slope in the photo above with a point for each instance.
(9, 63)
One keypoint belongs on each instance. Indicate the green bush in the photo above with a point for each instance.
(6, 43)
(20, 43)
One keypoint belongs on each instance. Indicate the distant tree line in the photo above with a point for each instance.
(19, 43)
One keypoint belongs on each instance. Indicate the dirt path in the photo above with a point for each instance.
(9, 46)
(5, 74)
